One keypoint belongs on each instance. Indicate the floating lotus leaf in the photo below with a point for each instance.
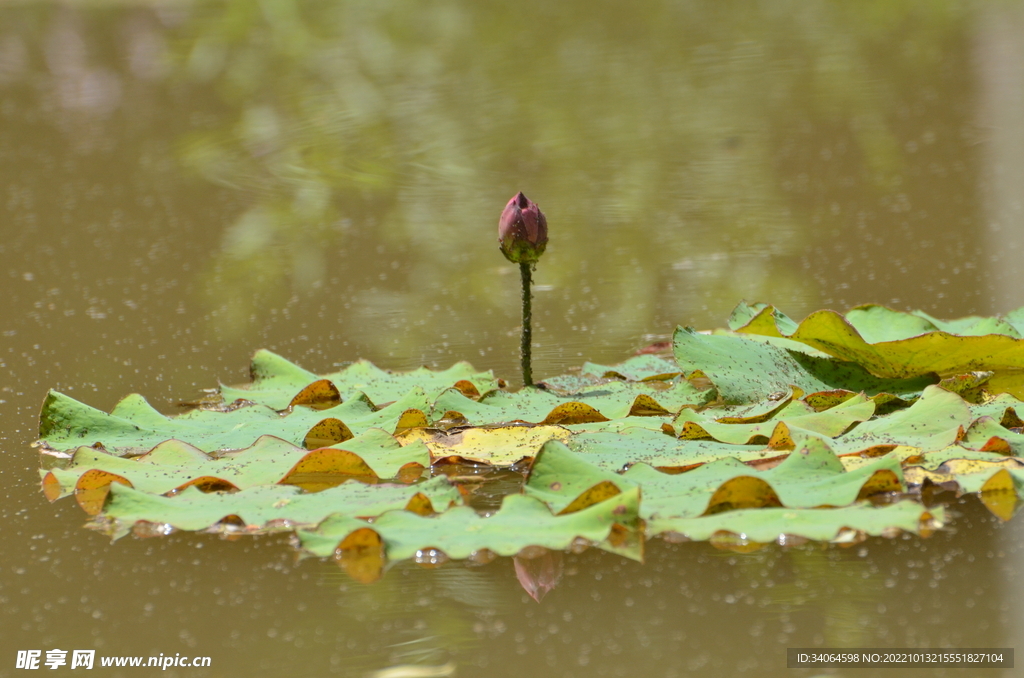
(648, 423)
(745, 437)
(617, 450)
(256, 508)
(879, 323)
(276, 381)
(613, 400)
(831, 422)
(769, 408)
(174, 465)
(986, 434)
(931, 423)
(460, 532)
(567, 482)
(1002, 408)
(746, 372)
(809, 477)
(637, 368)
(900, 345)
(643, 368)
(134, 426)
(812, 476)
(767, 525)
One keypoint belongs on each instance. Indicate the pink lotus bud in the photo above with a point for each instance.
(522, 230)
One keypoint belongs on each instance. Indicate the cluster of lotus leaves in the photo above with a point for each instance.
(834, 429)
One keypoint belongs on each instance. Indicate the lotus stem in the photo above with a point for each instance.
(525, 347)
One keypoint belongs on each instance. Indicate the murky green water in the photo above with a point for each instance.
(184, 183)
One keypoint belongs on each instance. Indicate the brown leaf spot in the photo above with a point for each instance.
(420, 505)
(824, 400)
(574, 413)
(781, 438)
(998, 445)
(730, 541)
(328, 432)
(411, 418)
(410, 472)
(880, 482)
(1010, 419)
(93, 487)
(466, 388)
(312, 468)
(361, 555)
(207, 484)
(320, 395)
(646, 406)
(605, 489)
(740, 493)
(693, 431)
(51, 487)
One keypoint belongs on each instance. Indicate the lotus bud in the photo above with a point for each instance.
(522, 231)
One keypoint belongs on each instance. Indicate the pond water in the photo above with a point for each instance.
(184, 183)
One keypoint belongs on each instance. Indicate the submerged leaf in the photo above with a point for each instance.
(538, 573)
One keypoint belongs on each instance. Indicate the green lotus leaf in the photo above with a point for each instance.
(613, 400)
(811, 476)
(520, 522)
(900, 345)
(617, 450)
(134, 426)
(970, 326)
(986, 434)
(745, 371)
(768, 408)
(276, 381)
(560, 478)
(174, 464)
(744, 314)
(830, 422)
(1003, 408)
(931, 423)
(770, 524)
(258, 506)
(649, 423)
(1016, 319)
(637, 368)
